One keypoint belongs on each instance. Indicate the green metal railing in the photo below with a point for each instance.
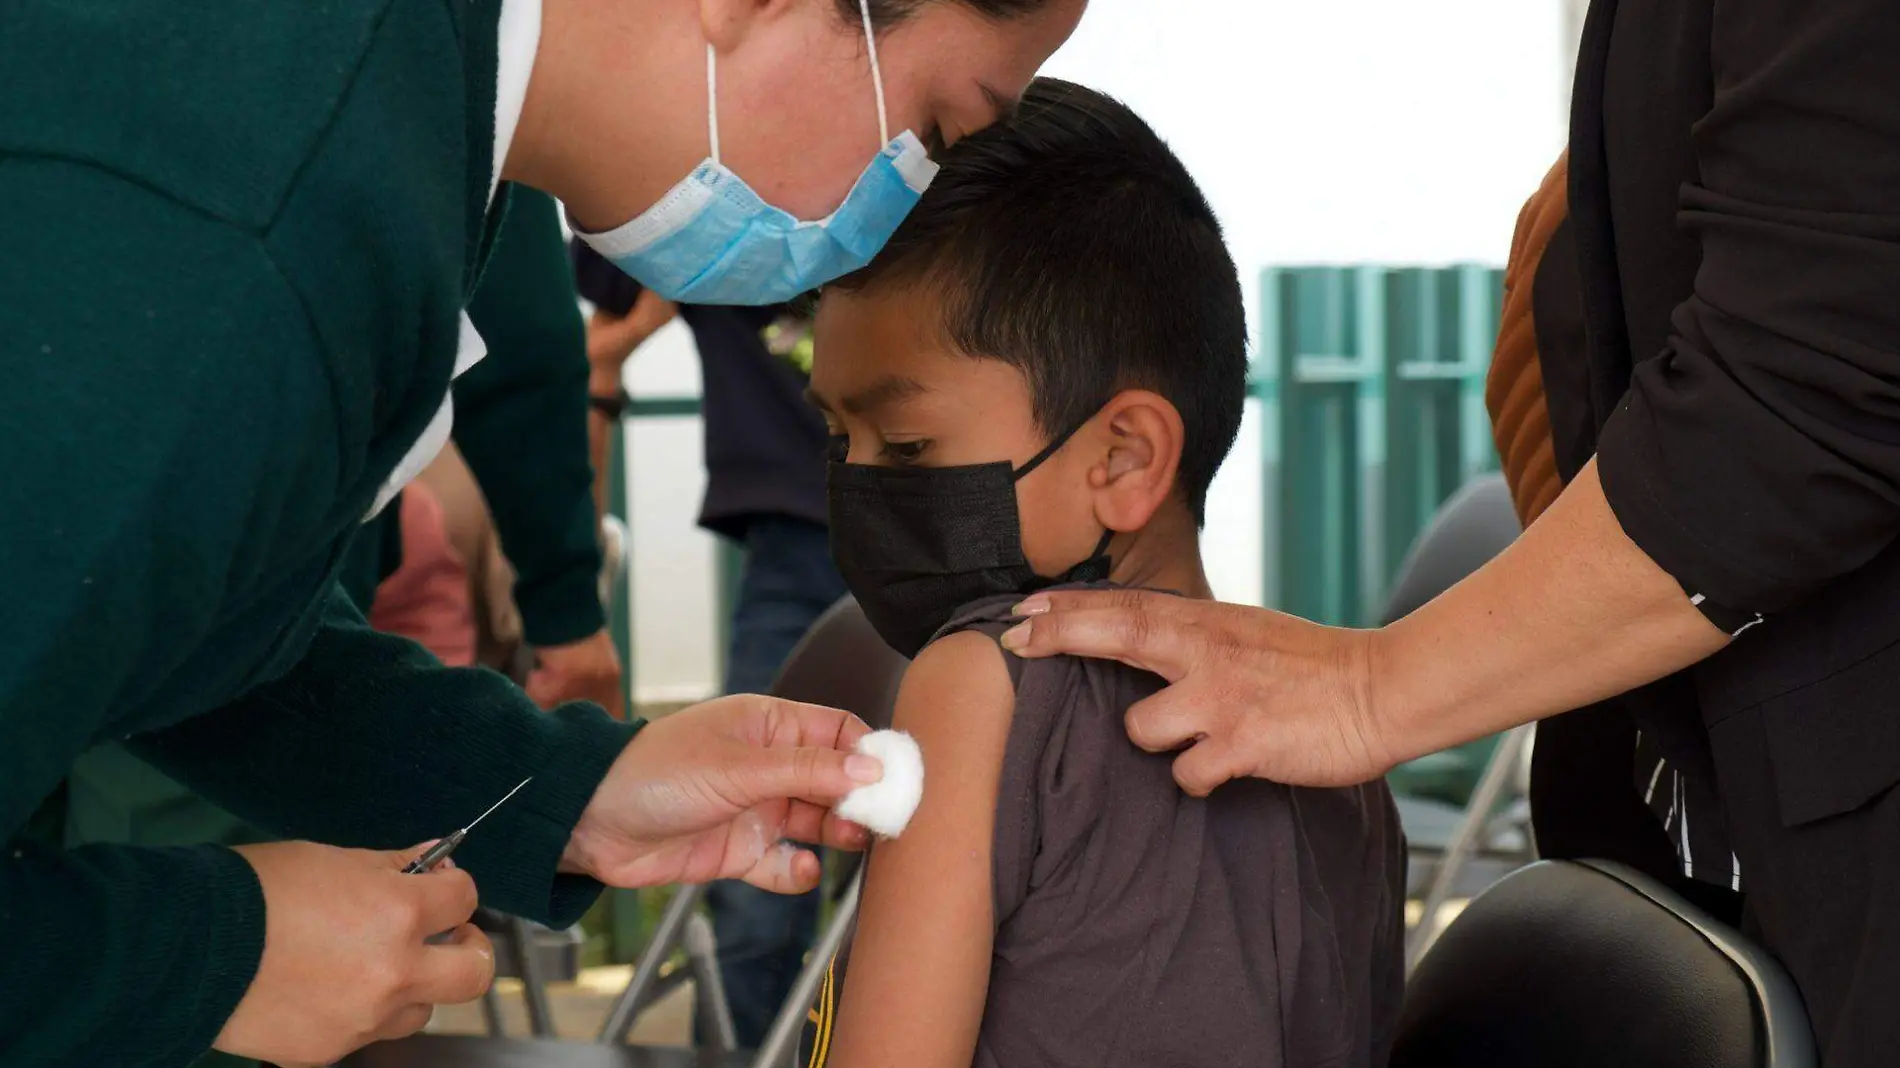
(729, 559)
(1371, 382)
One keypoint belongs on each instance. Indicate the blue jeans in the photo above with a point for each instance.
(788, 582)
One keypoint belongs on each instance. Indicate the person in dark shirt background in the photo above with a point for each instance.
(765, 490)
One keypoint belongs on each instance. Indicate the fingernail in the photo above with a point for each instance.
(1033, 606)
(862, 769)
(1017, 637)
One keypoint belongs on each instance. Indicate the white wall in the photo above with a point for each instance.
(1328, 131)
(672, 563)
(1335, 131)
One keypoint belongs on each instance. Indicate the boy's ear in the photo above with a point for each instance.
(1135, 476)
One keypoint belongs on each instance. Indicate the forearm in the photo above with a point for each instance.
(123, 956)
(370, 742)
(1572, 613)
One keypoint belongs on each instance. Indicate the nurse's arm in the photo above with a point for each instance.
(118, 955)
(369, 741)
(162, 413)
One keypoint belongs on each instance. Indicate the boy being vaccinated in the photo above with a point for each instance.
(1031, 386)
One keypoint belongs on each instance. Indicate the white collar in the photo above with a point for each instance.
(518, 38)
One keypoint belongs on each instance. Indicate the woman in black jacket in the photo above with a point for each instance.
(1718, 575)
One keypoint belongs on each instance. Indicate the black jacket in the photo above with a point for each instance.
(1719, 324)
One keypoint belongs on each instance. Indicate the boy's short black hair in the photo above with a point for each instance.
(1068, 241)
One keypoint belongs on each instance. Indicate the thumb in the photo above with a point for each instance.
(819, 774)
(1203, 767)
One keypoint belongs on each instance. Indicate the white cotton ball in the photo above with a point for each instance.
(885, 806)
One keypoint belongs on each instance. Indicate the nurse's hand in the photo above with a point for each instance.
(346, 954)
(1252, 692)
(586, 670)
(709, 793)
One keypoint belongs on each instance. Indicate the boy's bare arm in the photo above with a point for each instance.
(920, 964)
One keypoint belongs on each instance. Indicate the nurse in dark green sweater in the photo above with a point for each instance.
(290, 204)
(520, 423)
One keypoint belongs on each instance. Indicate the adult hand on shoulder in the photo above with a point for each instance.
(586, 670)
(1251, 692)
(346, 954)
(711, 791)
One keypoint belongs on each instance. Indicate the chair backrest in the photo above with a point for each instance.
(1588, 964)
(842, 662)
(1470, 528)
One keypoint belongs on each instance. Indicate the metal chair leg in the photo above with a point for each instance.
(646, 970)
(781, 1042)
(534, 989)
(1502, 767)
(710, 1008)
(491, 1014)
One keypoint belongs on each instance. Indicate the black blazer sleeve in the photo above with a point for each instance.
(1759, 457)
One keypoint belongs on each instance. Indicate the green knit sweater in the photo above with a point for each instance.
(236, 244)
(521, 423)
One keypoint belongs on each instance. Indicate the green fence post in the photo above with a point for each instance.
(1372, 474)
(1424, 415)
(728, 572)
(1483, 303)
(1317, 507)
(1269, 372)
(1371, 383)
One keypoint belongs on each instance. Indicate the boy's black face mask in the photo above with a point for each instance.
(914, 544)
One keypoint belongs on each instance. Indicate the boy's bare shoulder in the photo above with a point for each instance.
(958, 681)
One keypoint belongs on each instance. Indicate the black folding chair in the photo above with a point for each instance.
(842, 663)
(1590, 965)
(1457, 850)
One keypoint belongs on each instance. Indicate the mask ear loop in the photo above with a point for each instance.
(712, 102)
(1018, 474)
(1096, 567)
(877, 76)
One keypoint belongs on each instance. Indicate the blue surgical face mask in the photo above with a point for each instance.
(713, 240)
